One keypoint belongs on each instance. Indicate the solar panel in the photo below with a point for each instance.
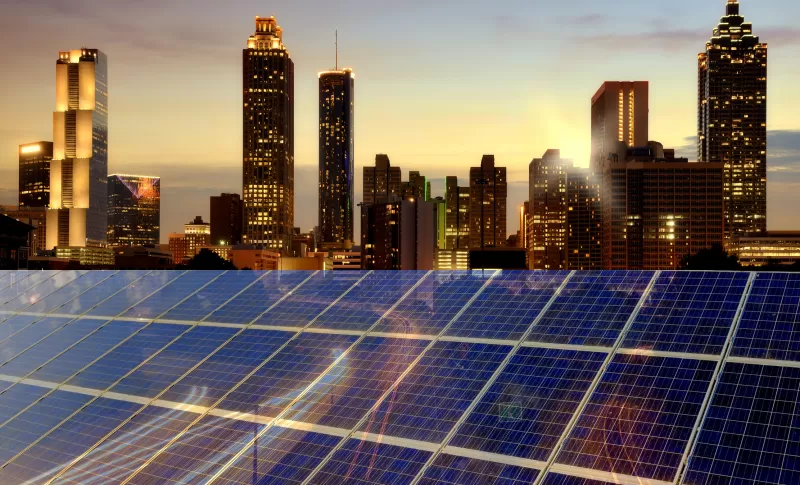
(455, 377)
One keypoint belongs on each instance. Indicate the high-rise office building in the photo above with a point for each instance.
(196, 235)
(382, 180)
(78, 172)
(584, 224)
(398, 234)
(226, 219)
(336, 156)
(619, 114)
(268, 139)
(488, 191)
(732, 119)
(656, 208)
(417, 187)
(134, 210)
(458, 220)
(34, 174)
(547, 200)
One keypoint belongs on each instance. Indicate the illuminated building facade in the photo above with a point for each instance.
(336, 156)
(268, 139)
(547, 185)
(34, 174)
(78, 172)
(134, 210)
(619, 114)
(458, 207)
(656, 208)
(198, 235)
(398, 234)
(226, 219)
(732, 119)
(774, 247)
(584, 224)
(417, 187)
(488, 192)
(382, 180)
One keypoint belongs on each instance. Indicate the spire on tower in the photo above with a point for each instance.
(337, 49)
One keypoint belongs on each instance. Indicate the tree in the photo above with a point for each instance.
(714, 258)
(207, 259)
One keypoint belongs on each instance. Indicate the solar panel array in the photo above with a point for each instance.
(456, 377)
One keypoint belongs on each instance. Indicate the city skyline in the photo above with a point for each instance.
(520, 124)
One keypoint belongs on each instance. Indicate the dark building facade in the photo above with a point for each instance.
(336, 156)
(584, 224)
(268, 139)
(547, 203)
(226, 219)
(134, 210)
(382, 180)
(457, 219)
(732, 119)
(398, 234)
(620, 113)
(34, 174)
(488, 192)
(417, 187)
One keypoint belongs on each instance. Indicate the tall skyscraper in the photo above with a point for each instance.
(34, 174)
(382, 180)
(79, 169)
(548, 211)
(458, 220)
(488, 191)
(398, 234)
(417, 187)
(584, 224)
(619, 114)
(134, 210)
(268, 139)
(336, 156)
(226, 219)
(732, 119)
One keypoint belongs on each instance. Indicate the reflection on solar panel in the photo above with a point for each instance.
(457, 377)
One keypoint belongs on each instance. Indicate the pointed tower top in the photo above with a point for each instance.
(337, 49)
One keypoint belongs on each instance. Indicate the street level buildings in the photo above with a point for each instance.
(134, 210)
(268, 139)
(34, 174)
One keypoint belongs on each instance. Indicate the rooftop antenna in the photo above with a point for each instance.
(337, 49)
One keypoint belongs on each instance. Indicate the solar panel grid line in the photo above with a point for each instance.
(715, 380)
(477, 340)
(88, 276)
(490, 382)
(599, 476)
(233, 388)
(70, 277)
(759, 361)
(31, 281)
(63, 315)
(90, 402)
(493, 457)
(587, 395)
(311, 385)
(667, 353)
(577, 347)
(66, 316)
(399, 379)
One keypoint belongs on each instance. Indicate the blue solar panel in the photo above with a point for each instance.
(265, 293)
(770, 324)
(431, 305)
(751, 432)
(42, 290)
(130, 295)
(688, 312)
(284, 376)
(556, 479)
(100, 292)
(362, 306)
(232, 363)
(364, 462)
(17, 398)
(459, 470)
(22, 282)
(310, 299)
(530, 404)
(209, 298)
(171, 294)
(639, 419)
(66, 293)
(14, 324)
(29, 335)
(432, 397)
(508, 305)
(348, 390)
(592, 308)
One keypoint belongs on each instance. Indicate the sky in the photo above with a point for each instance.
(438, 84)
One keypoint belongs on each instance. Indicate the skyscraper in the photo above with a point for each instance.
(134, 210)
(584, 224)
(79, 169)
(34, 174)
(268, 139)
(226, 219)
(732, 119)
(458, 220)
(488, 191)
(382, 180)
(548, 211)
(417, 187)
(336, 156)
(619, 114)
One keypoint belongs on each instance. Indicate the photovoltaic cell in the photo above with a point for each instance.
(751, 432)
(436, 392)
(458, 470)
(99, 293)
(17, 398)
(770, 324)
(23, 282)
(592, 308)
(528, 407)
(66, 293)
(29, 335)
(172, 294)
(42, 290)
(280, 456)
(351, 387)
(368, 301)
(246, 307)
(556, 479)
(508, 305)
(365, 462)
(13, 325)
(640, 417)
(209, 298)
(133, 293)
(310, 299)
(431, 305)
(688, 312)
(270, 389)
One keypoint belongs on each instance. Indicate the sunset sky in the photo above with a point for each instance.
(438, 84)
